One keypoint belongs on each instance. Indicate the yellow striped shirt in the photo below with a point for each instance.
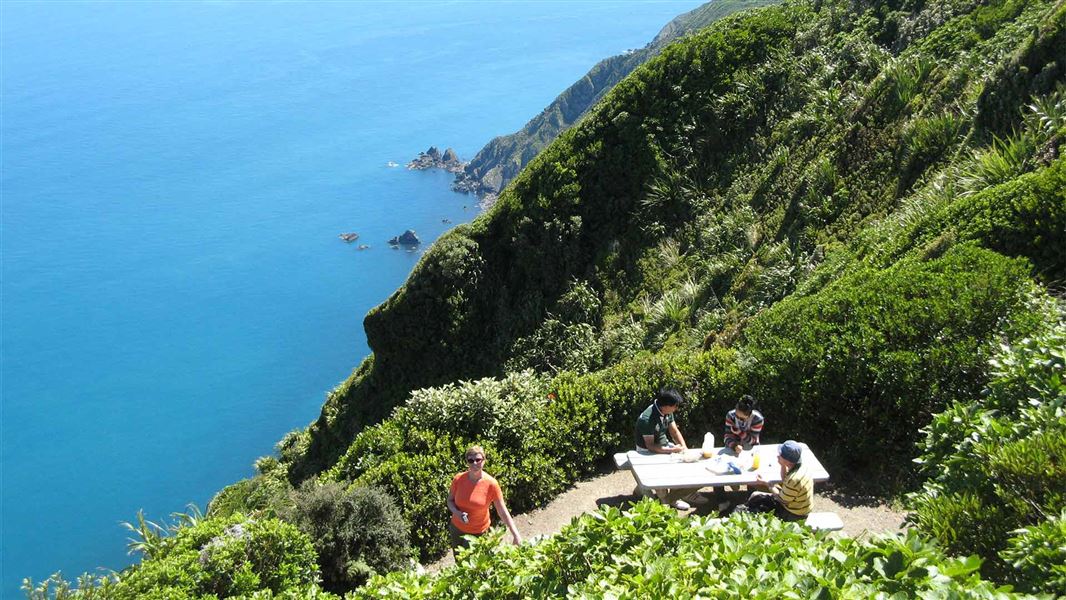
(797, 490)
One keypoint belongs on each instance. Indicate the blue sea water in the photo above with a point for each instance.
(173, 178)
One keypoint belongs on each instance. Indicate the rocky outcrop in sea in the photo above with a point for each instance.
(407, 238)
(433, 159)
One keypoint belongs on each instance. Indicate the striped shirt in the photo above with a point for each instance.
(797, 490)
(743, 431)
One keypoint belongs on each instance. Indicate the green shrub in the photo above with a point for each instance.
(926, 142)
(1025, 217)
(651, 552)
(370, 448)
(418, 479)
(868, 359)
(261, 493)
(556, 346)
(216, 557)
(997, 462)
(599, 409)
(1037, 555)
(356, 532)
(86, 587)
(500, 411)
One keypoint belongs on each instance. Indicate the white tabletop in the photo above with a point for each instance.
(658, 471)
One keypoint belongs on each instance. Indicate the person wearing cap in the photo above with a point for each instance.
(791, 499)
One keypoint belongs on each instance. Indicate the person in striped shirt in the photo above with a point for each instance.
(791, 499)
(743, 425)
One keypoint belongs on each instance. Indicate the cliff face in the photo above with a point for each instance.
(500, 160)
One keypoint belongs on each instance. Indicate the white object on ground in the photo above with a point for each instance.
(824, 521)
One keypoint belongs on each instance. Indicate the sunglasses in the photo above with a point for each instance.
(474, 460)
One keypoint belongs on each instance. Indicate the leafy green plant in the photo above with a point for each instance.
(650, 552)
(148, 537)
(1037, 555)
(997, 461)
(222, 557)
(1047, 114)
(1003, 160)
(356, 532)
(87, 587)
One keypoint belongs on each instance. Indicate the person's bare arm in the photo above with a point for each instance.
(649, 443)
(454, 508)
(676, 434)
(505, 516)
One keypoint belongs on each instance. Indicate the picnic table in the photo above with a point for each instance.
(669, 471)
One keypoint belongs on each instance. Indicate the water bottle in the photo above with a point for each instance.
(755, 460)
(708, 445)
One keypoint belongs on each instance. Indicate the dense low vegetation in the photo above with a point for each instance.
(996, 468)
(216, 557)
(650, 552)
(853, 210)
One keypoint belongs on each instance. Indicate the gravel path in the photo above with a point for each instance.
(861, 515)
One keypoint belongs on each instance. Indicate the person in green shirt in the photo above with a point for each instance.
(656, 426)
(657, 432)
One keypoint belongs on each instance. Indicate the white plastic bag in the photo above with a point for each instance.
(718, 466)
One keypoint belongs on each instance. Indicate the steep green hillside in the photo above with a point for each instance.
(854, 211)
(838, 208)
(761, 159)
(500, 160)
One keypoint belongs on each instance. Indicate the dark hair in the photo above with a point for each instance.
(746, 403)
(667, 397)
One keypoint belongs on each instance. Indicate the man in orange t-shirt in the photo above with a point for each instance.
(471, 493)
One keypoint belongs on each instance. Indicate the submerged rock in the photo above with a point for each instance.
(349, 237)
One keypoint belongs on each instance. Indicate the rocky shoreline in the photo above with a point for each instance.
(433, 159)
(465, 182)
(468, 184)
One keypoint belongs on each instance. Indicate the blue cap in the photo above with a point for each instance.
(790, 451)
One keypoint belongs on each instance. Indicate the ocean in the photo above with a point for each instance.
(173, 180)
